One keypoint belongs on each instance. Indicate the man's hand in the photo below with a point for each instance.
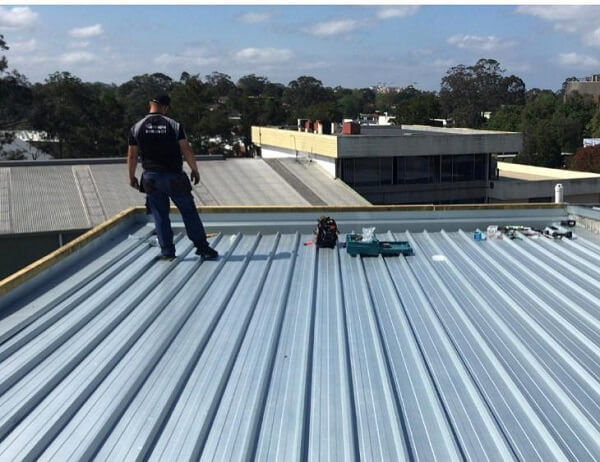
(195, 176)
(133, 182)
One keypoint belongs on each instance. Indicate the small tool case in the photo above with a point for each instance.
(356, 246)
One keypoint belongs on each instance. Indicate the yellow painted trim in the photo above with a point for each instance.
(40, 265)
(293, 140)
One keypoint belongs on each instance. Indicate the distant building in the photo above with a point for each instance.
(376, 118)
(384, 89)
(20, 148)
(411, 164)
(587, 86)
(527, 183)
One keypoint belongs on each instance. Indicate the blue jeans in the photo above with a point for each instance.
(159, 187)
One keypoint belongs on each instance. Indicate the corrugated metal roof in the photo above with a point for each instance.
(280, 351)
(45, 198)
(67, 197)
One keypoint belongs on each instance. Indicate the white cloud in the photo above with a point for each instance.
(560, 13)
(573, 19)
(19, 17)
(254, 18)
(577, 60)
(191, 56)
(80, 44)
(480, 43)
(264, 55)
(592, 38)
(86, 32)
(330, 28)
(24, 46)
(77, 57)
(400, 11)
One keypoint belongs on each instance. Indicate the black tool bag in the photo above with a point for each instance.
(326, 232)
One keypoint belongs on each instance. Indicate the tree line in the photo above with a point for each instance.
(91, 119)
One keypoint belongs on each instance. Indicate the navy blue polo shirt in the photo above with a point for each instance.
(157, 137)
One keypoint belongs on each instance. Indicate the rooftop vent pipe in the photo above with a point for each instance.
(558, 194)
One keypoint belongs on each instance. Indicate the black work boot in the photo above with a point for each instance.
(207, 252)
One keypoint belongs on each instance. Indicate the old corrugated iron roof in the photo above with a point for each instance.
(280, 351)
(61, 197)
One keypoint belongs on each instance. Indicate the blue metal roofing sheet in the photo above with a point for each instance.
(279, 351)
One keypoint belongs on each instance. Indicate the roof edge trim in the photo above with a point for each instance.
(30, 271)
(27, 273)
(372, 208)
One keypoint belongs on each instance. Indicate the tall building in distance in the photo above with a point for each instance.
(586, 86)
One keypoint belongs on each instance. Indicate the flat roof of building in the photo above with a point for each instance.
(387, 141)
(515, 171)
(278, 350)
(425, 129)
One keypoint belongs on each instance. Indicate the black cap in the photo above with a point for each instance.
(162, 99)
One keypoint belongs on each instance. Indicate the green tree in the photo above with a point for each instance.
(189, 105)
(349, 105)
(541, 140)
(593, 126)
(137, 92)
(324, 110)
(252, 85)
(86, 122)
(416, 107)
(353, 102)
(258, 102)
(216, 123)
(220, 86)
(571, 119)
(16, 98)
(467, 92)
(307, 94)
(3, 47)
(506, 118)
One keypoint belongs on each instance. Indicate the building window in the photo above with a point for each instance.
(377, 171)
(386, 170)
(462, 168)
(399, 170)
(368, 171)
(446, 169)
(479, 168)
(418, 170)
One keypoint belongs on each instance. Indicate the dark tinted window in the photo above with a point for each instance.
(446, 169)
(462, 168)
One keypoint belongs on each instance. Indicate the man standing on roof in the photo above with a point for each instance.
(161, 142)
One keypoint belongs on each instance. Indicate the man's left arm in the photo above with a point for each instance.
(132, 159)
(188, 155)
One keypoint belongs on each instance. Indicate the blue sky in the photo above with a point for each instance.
(352, 46)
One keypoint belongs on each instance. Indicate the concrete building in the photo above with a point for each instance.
(277, 351)
(527, 183)
(587, 86)
(400, 165)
